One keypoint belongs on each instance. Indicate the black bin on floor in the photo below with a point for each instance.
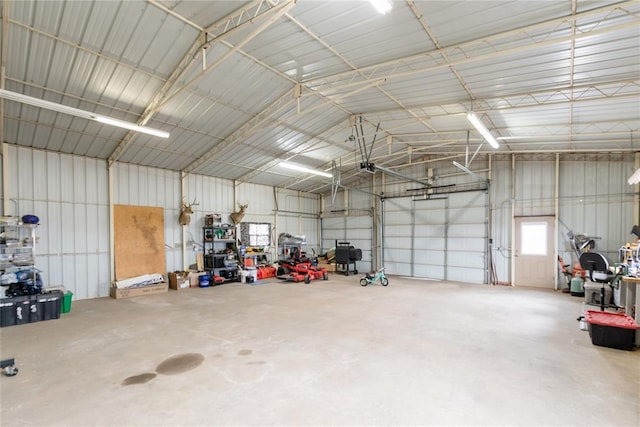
(49, 305)
(7, 312)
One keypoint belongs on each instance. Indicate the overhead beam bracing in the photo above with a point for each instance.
(174, 85)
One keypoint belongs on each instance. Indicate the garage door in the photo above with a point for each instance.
(467, 237)
(430, 238)
(442, 239)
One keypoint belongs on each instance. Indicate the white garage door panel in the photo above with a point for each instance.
(397, 242)
(397, 211)
(432, 243)
(467, 200)
(467, 230)
(398, 218)
(446, 238)
(360, 221)
(397, 230)
(466, 244)
(422, 230)
(467, 275)
(430, 215)
(466, 259)
(400, 268)
(359, 234)
(429, 257)
(429, 242)
(336, 223)
(398, 255)
(429, 271)
(398, 262)
(467, 215)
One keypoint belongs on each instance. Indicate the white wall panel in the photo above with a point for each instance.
(429, 242)
(144, 186)
(261, 202)
(397, 236)
(357, 230)
(535, 187)
(595, 200)
(298, 214)
(70, 196)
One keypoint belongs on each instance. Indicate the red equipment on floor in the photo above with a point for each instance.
(298, 268)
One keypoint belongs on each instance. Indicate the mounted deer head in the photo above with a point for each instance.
(186, 211)
(236, 217)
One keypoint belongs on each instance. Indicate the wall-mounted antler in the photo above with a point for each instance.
(186, 211)
(236, 217)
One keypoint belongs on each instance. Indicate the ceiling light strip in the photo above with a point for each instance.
(305, 169)
(475, 121)
(48, 105)
(382, 6)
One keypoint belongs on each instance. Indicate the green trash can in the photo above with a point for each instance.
(66, 302)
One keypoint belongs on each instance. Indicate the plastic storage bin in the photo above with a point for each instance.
(23, 309)
(49, 305)
(7, 312)
(613, 330)
(66, 302)
(204, 281)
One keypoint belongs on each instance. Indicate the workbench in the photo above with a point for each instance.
(630, 300)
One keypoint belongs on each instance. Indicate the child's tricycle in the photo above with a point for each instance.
(378, 275)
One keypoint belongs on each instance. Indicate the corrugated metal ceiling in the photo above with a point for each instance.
(285, 80)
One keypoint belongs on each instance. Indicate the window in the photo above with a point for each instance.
(533, 238)
(255, 234)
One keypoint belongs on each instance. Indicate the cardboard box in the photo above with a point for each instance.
(178, 280)
(135, 292)
(331, 268)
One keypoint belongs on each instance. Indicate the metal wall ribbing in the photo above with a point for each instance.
(70, 194)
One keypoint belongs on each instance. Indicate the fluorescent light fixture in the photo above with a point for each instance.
(467, 170)
(131, 126)
(635, 178)
(305, 169)
(382, 6)
(41, 103)
(475, 121)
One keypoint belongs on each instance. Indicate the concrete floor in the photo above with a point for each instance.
(328, 353)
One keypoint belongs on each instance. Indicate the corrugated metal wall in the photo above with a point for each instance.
(593, 198)
(70, 194)
(453, 240)
(143, 186)
(349, 217)
(397, 237)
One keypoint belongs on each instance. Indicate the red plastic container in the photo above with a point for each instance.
(614, 330)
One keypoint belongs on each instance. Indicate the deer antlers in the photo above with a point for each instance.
(186, 211)
(236, 217)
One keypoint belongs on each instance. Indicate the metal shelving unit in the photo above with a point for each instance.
(220, 251)
(17, 250)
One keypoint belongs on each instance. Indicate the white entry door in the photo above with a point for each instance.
(534, 257)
